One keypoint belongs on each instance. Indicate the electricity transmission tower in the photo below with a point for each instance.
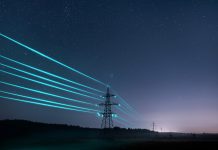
(153, 126)
(107, 121)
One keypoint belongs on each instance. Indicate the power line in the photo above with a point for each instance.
(50, 74)
(22, 71)
(43, 104)
(108, 112)
(42, 71)
(45, 93)
(46, 84)
(123, 101)
(48, 101)
(43, 78)
(121, 118)
(122, 123)
(51, 59)
(124, 111)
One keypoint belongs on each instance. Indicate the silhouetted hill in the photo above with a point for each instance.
(18, 128)
(22, 134)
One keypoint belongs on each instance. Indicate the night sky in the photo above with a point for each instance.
(160, 55)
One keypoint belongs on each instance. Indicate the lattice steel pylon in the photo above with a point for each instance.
(107, 121)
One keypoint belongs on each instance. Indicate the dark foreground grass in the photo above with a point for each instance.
(25, 135)
(106, 144)
(172, 145)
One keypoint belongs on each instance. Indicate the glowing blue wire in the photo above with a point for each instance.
(119, 122)
(50, 74)
(45, 93)
(41, 54)
(48, 101)
(124, 112)
(42, 104)
(125, 104)
(56, 87)
(124, 120)
(40, 77)
(127, 111)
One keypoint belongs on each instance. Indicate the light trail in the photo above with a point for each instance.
(126, 105)
(45, 93)
(43, 78)
(119, 122)
(124, 120)
(42, 104)
(122, 123)
(60, 63)
(50, 74)
(46, 84)
(122, 100)
(51, 59)
(124, 111)
(48, 101)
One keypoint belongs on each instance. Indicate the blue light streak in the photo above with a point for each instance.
(42, 104)
(50, 74)
(46, 84)
(122, 123)
(45, 93)
(43, 78)
(124, 112)
(127, 106)
(124, 102)
(48, 101)
(51, 59)
(124, 120)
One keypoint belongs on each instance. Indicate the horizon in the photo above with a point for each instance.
(72, 125)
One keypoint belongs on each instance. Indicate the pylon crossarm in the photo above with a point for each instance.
(107, 115)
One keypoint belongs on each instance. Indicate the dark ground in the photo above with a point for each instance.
(26, 135)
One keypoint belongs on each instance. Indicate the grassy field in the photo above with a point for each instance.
(106, 144)
(25, 135)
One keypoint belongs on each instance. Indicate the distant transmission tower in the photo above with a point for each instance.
(107, 121)
(153, 126)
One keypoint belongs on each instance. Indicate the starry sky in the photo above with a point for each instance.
(160, 55)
